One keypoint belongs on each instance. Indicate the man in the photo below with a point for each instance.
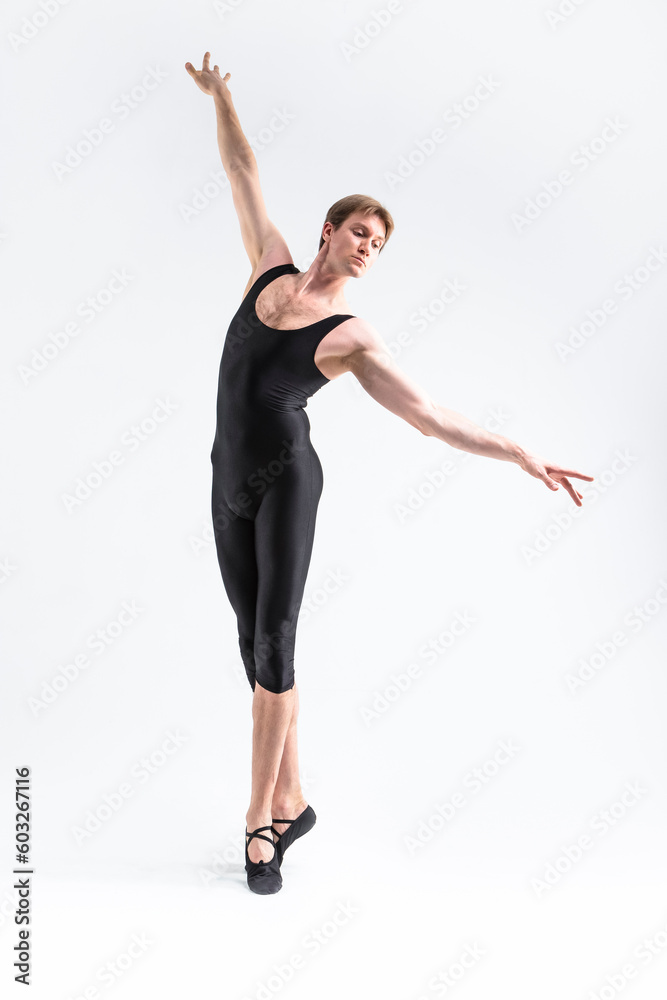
(273, 360)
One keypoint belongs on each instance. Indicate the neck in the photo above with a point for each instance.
(321, 280)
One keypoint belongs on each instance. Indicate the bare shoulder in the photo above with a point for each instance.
(358, 339)
(364, 335)
(348, 348)
(274, 253)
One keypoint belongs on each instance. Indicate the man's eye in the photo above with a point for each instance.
(358, 233)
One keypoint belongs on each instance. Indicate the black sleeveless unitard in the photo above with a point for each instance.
(267, 481)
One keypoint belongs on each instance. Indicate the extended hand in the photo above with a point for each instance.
(552, 475)
(208, 80)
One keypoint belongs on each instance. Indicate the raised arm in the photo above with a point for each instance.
(261, 237)
(377, 372)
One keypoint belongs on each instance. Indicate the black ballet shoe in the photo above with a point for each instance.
(264, 877)
(304, 822)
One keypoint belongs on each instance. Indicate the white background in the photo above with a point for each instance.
(404, 542)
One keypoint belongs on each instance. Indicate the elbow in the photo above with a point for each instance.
(242, 162)
(426, 418)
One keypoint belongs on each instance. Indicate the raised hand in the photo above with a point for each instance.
(208, 80)
(553, 475)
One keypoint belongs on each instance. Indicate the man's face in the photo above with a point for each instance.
(357, 242)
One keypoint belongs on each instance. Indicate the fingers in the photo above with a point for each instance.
(579, 475)
(576, 496)
(574, 493)
(571, 472)
(553, 475)
(546, 478)
(558, 470)
(205, 66)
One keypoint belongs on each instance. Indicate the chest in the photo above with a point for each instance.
(278, 307)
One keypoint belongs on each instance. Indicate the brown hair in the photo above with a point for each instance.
(345, 207)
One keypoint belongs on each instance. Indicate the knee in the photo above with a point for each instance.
(275, 673)
(276, 679)
(274, 659)
(272, 688)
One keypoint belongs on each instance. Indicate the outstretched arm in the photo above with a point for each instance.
(235, 150)
(260, 235)
(377, 372)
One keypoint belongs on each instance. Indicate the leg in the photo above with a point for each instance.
(288, 801)
(271, 715)
(264, 565)
(235, 546)
(284, 532)
(283, 551)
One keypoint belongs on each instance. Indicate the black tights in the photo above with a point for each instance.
(264, 553)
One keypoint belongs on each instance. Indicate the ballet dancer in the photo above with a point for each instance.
(292, 334)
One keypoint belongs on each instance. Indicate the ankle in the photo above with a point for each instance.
(254, 819)
(286, 806)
